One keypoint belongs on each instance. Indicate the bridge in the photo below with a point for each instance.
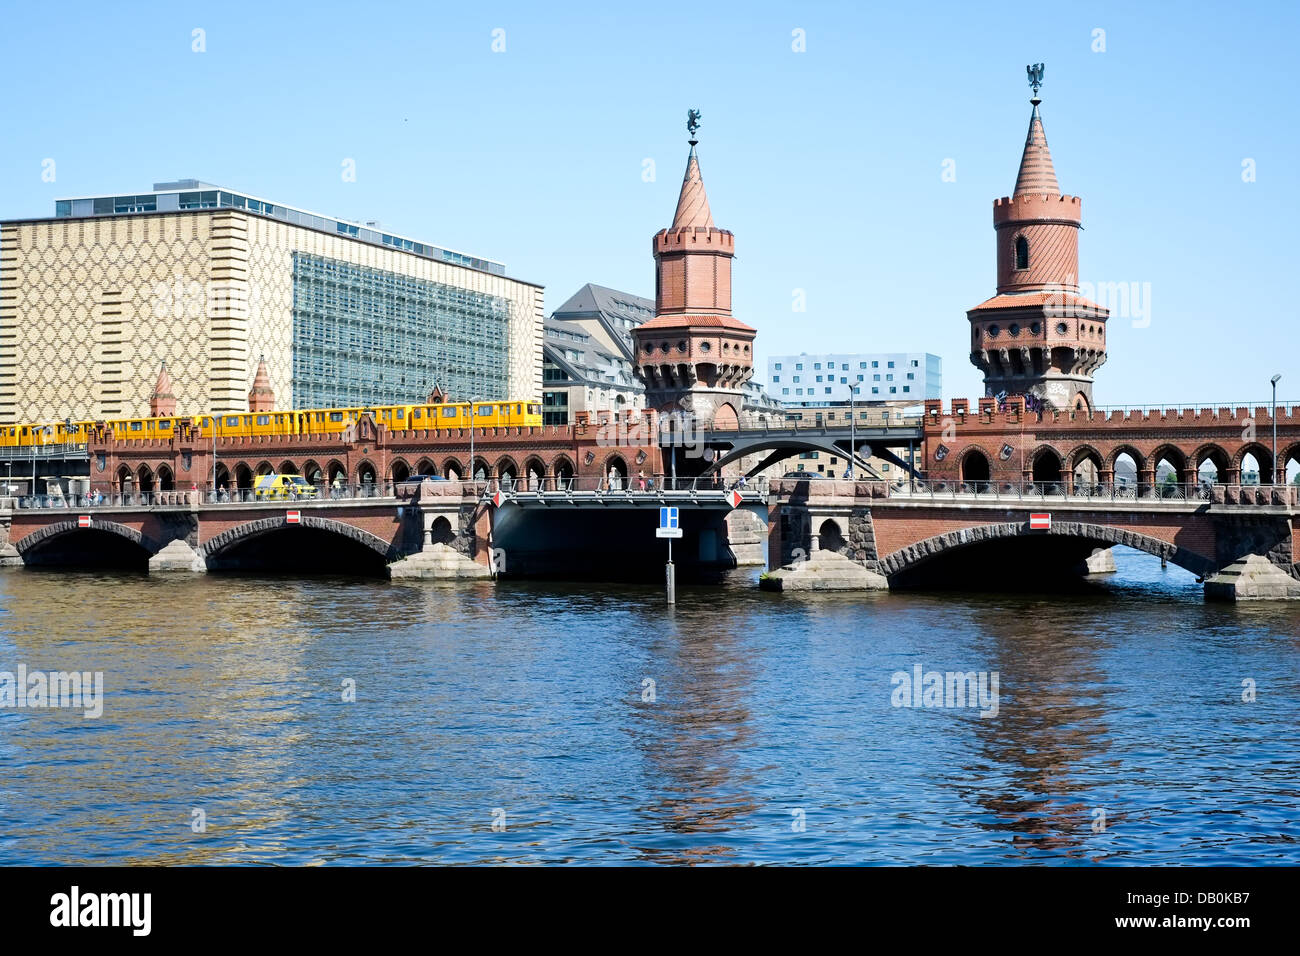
(905, 534)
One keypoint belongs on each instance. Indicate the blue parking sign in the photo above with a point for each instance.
(668, 517)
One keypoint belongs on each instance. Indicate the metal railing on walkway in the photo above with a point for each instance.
(1088, 491)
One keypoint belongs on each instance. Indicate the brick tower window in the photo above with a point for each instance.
(1022, 252)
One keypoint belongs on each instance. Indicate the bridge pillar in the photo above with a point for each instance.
(177, 555)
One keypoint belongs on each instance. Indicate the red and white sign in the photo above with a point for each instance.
(83, 521)
(736, 498)
(293, 517)
(499, 498)
(1040, 521)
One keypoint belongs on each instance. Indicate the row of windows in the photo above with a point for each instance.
(365, 336)
(911, 376)
(844, 366)
(875, 390)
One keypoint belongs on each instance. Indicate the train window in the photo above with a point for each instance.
(417, 413)
(336, 416)
(232, 421)
(534, 409)
(203, 422)
(449, 412)
(263, 419)
(519, 409)
(401, 413)
(164, 423)
(485, 410)
(135, 426)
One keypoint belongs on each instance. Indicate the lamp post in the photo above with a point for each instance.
(853, 428)
(1274, 381)
(472, 477)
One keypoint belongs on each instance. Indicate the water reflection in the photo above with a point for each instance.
(506, 724)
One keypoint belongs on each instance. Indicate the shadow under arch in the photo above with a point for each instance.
(902, 564)
(103, 544)
(314, 544)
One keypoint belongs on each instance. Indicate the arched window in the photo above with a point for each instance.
(1022, 252)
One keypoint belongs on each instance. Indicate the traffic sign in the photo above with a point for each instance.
(499, 498)
(668, 517)
(83, 521)
(1040, 521)
(668, 532)
(735, 497)
(293, 517)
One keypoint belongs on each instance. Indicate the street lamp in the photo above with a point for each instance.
(472, 477)
(1274, 381)
(853, 428)
(41, 430)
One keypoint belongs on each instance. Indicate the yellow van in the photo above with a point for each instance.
(283, 488)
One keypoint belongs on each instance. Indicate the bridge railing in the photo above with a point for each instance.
(620, 485)
(1286, 495)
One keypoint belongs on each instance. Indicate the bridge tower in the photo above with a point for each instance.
(162, 403)
(693, 356)
(261, 398)
(1037, 336)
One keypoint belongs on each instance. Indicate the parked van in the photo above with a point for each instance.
(283, 488)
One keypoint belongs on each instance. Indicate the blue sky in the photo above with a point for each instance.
(825, 163)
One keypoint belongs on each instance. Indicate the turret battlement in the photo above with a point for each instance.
(1037, 207)
(695, 239)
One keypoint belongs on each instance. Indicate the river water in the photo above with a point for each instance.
(519, 724)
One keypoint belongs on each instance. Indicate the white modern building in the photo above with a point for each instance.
(808, 380)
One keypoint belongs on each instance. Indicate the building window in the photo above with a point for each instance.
(875, 390)
(817, 365)
(796, 378)
(778, 366)
(907, 388)
(777, 378)
(828, 391)
(1022, 252)
(891, 364)
(875, 365)
(819, 378)
(785, 391)
(862, 365)
(893, 390)
(876, 377)
(911, 376)
(915, 364)
(798, 367)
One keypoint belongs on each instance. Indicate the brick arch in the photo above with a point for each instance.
(505, 463)
(1263, 454)
(45, 533)
(968, 451)
(1081, 453)
(1139, 459)
(1044, 450)
(1211, 452)
(913, 555)
(1176, 456)
(399, 466)
(252, 529)
(453, 464)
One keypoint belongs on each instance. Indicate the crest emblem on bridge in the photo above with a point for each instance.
(1006, 451)
(941, 453)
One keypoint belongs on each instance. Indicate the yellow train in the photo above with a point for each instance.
(314, 421)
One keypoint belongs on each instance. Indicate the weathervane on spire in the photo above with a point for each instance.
(692, 124)
(1035, 78)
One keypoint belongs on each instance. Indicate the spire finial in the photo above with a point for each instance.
(692, 125)
(1035, 80)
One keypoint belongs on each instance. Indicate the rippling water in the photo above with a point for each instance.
(224, 694)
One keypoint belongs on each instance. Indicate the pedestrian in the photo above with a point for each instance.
(613, 478)
(641, 479)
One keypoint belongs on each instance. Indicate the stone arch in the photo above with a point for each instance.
(480, 469)
(243, 476)
(166, 480)
(974, 465)
(830, 537)
(336, 472)
(367, 473)
(399, 470)
(125, 478)
(250, 529)
(263, 468)
(505, 468)
(725, 417)
(1046, 466)
(1286, 457)
(222, 476)
(1171, 455)
(441, 530)
(453, 469)
(287, 468)
(313, 473)
(913, 555)
(144, 480)
(426, 468)
(563, 472)
(46, 532)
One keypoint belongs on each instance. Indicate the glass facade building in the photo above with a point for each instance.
(824, 379)
(364, 336)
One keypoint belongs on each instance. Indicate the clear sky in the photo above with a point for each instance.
(827, 164)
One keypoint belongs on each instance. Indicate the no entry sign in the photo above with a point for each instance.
(293, 517)
(1040, 521)
(83, 521)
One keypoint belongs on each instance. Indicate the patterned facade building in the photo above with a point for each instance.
(94, 300)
